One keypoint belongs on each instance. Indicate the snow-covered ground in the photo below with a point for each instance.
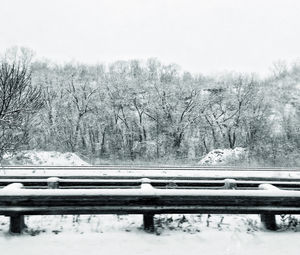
(123, 234)
(214, 243)
(44, 158)
(110, 234)
(153, 173)
(52, 158)
(210, 243)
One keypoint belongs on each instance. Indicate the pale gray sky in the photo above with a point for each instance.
(199, 35)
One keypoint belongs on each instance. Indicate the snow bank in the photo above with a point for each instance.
(224, 156)
(44, 158)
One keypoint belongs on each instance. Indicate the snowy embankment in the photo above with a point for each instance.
(176, 235)
(115, 234)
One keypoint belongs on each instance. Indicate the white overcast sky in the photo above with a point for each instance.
(199, 35)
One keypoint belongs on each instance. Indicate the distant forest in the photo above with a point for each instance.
(147, 111)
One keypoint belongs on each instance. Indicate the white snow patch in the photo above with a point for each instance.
(223, 156)
(44, 158)
(13, 186)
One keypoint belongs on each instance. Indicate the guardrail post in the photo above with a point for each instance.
(148, 218)
(268, 219)
(17, 224)
(148, 222)
(53, 183)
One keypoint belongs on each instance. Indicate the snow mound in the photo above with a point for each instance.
(13, 186)
(44, 158)
(224, 156)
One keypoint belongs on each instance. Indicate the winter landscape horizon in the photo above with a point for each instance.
(149, 127)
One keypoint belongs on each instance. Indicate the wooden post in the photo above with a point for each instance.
(53, 183)
(268, 219)
(148, 222)
(17, 224)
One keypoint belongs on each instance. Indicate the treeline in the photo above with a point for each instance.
(150, 111)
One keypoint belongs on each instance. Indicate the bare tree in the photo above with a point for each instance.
(18, 101)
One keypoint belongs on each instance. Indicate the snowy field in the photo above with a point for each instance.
(211, 242)
(110, 234)
(174, 234)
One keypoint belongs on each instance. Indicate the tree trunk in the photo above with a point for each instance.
(102, 150)
(231, 138)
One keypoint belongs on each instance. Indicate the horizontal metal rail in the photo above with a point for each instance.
(149, 200)
(156, 168)
(159, 178)
(133, 183)
(149, 209)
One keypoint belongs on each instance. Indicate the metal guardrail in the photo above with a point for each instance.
(134, 189)
(268, 200)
